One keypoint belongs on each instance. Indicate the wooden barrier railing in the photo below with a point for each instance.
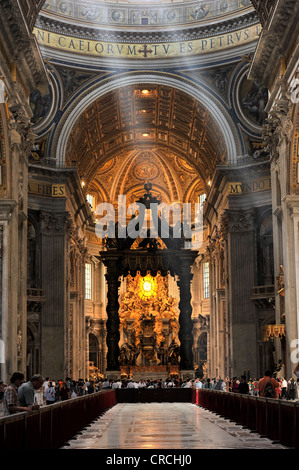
(53, 425)
(276, 419)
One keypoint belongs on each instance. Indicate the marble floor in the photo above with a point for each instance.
(166, 426)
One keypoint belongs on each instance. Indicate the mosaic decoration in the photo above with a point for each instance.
(135, 13)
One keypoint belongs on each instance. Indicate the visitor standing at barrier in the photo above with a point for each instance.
(3, 386)
(27, 390)
(74, 388)
(263, 386)
(227, 384)
(255, 387)
(243, 386)
(65, 392)
(279, 388)
(292, 389)
(284, 386)
(50, 394)
(80, 387)
(11, 403)
(235, 385)
(208, 384)
(198, 383)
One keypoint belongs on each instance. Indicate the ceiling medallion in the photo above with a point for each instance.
(146, 171)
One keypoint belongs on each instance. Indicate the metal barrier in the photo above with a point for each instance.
(273, 418)
(53, 425)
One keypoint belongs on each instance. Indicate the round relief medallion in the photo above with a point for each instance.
(117, 15)
(146, 170)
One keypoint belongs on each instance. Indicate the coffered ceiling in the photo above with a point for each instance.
(145, 124)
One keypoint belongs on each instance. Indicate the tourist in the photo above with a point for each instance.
(292, 389)
(11, 403)
(263, 383)
(68, 382)
(227, 384)
(208, 384)
(218, 384)
(46, 384)
(105, 384)
(116, 384)
(243, 386)
(130, 384)
(74, 389)
(188, 384)
(251, 386)
(27, 391)
(255, 387)
(50, 395)
(284, 386)
(235, 385)
(3, 386)
(90, 387)
(64, 393)
(87, 383)
(279, 388)
(198, 383)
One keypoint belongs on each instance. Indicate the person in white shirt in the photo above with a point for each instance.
(130, 384)
(116, 384)
(284, 386)
(105, 385)
(44, 388)
(188, 384)
(50, 394)
(142, 384)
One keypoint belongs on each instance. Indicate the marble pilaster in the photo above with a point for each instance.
(241, 266)
(53, 276)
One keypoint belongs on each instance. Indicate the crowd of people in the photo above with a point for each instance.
(267, 386)
(28, 396)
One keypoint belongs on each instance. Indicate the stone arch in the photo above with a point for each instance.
(201, 93)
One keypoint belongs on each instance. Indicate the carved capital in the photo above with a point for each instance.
(20, 127)
(240, 220)
(279, 124)
(52, 223)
